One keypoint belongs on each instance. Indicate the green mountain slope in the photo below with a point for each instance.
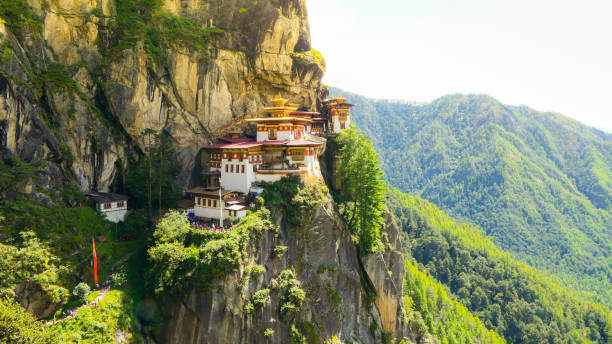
(539, 184)
(510, 297)
(434, 311)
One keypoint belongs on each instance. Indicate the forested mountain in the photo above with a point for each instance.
(510, 297)
(539, 184)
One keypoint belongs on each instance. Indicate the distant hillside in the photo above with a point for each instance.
(509, 297)
(539, 183)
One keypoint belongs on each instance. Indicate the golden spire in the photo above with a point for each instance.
(279, 101)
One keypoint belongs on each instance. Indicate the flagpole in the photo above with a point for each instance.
(221, 209)
(95, 262)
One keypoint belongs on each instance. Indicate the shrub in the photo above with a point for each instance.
(19, 326)
(278, 251)
(81, 291)
(260, 298)
(257, 270)
(249, 308)
(119, 279)
(295, 336)
(185, 258)
(292, 297)
(268, 332)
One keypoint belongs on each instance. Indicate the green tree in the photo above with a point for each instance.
(148, 139)
(17, 326)
(361, 194)
(81, 291)
(152, 178)
(165, 171)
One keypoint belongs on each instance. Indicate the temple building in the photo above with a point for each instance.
(113, 206)
(283, 145)
(210, 203)
(339, 114)
(279, 148)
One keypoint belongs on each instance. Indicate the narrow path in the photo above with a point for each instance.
(72, 313)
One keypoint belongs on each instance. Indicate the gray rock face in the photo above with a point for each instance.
(321, 252)
(90, 129)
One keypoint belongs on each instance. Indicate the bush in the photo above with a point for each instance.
(257, 270)
(135, 223)
(119, 279)
(293, 296)
(19, 326)
(295, 336)
(268, 332)
(81, 291)
(260, 298)
(278, 251)
(185, 258)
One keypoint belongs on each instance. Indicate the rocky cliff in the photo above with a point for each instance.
(73, 97)
(77, 91)
(347, 300)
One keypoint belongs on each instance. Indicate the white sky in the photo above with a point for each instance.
(552, 55)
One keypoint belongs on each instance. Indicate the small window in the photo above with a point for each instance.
(272, 134)
(242, 169)
(232, 169)
(120, 204)
(107, 205)
(198, 200)
(226, 168)
(215, 204)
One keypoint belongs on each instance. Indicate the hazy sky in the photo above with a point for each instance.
(553, 55)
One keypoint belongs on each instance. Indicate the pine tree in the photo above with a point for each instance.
(362, 193)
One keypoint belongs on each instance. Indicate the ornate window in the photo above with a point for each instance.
(272, 134)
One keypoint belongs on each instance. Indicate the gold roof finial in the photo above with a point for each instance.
(279, 101)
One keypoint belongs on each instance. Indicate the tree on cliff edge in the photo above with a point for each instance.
(361, 196)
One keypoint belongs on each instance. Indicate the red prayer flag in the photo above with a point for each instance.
(95, 257)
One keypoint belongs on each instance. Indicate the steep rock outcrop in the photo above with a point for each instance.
(89, 120)
(326, 264)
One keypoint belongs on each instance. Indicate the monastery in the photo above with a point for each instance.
(287, 142)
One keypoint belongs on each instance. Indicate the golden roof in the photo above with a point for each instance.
(279, 101)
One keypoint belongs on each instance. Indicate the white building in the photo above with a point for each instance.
(113, 206)
(211, 203)
(283, 146)
(338, 114)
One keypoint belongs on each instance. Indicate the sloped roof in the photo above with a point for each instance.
(103, 197)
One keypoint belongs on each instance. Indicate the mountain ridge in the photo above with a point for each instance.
(539, 183)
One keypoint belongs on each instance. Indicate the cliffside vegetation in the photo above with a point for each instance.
(510, 297)
(361, 195)
(45, 250)
(144, 21)
(18, 326)
(183, 258)
(539, 184)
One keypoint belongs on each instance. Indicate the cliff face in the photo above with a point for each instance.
(321, 252)
(65, 102)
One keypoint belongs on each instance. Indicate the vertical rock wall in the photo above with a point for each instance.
(89, 129)
(321, 251)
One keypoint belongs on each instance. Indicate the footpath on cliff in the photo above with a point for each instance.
(102, 293)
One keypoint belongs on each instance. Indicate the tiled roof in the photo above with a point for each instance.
(234, 140)
(304, 113)
(302, 143)
(103, 197)
(252, 143)
(209, 192)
